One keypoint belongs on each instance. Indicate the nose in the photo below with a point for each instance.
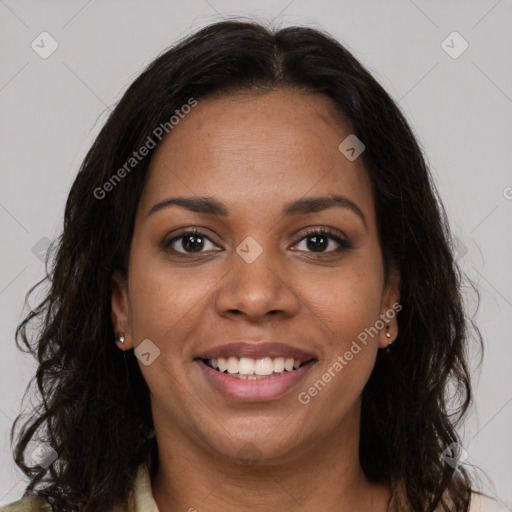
(257, 290)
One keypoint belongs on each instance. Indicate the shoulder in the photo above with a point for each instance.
(484, 503)
(480, 502)
(29, 503)
(140, 499)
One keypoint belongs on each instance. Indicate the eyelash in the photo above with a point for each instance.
(326, 232)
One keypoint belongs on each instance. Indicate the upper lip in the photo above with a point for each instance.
(256, 351)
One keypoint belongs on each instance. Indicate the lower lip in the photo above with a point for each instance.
(256, 390)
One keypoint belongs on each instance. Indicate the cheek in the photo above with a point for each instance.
(349, 310)
(163, 302)
(166, 309)
(346, 300)
(346, 304)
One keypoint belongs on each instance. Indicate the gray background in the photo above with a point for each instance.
(461, 110)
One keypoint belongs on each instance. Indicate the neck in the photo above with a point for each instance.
(325, 475)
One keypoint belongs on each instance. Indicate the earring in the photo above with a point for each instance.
(388, 335)
(120, 338)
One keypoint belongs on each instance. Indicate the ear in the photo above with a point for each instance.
(390, 306)
(120, 310)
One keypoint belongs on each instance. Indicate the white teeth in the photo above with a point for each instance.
(233, 364)
(279, 364)
(245, 367)
(248, 368)
(222, 364)
(248, 377)
(264, 366)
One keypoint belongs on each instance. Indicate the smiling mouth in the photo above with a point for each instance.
(246, 368)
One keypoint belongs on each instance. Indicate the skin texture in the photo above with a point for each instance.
(255, 153)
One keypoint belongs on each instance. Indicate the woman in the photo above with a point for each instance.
(256, 228)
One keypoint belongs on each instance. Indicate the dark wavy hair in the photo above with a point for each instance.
(92, 392)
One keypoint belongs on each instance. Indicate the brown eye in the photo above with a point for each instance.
(323, 242)
(189, 242)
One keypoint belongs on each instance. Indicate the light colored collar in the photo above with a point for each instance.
(142, 498)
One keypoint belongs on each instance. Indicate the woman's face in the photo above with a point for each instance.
(256, 175)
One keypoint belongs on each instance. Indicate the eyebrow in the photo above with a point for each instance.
(304, 206)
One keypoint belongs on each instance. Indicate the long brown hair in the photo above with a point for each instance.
(95, 410)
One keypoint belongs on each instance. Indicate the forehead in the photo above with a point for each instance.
(256, 150)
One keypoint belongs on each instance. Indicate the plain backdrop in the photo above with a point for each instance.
(460, 107)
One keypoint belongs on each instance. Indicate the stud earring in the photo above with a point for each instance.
(120, 338)
(388, 335)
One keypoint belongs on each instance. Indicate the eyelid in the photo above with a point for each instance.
(335, 233)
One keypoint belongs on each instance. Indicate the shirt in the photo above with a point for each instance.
(139, 500)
